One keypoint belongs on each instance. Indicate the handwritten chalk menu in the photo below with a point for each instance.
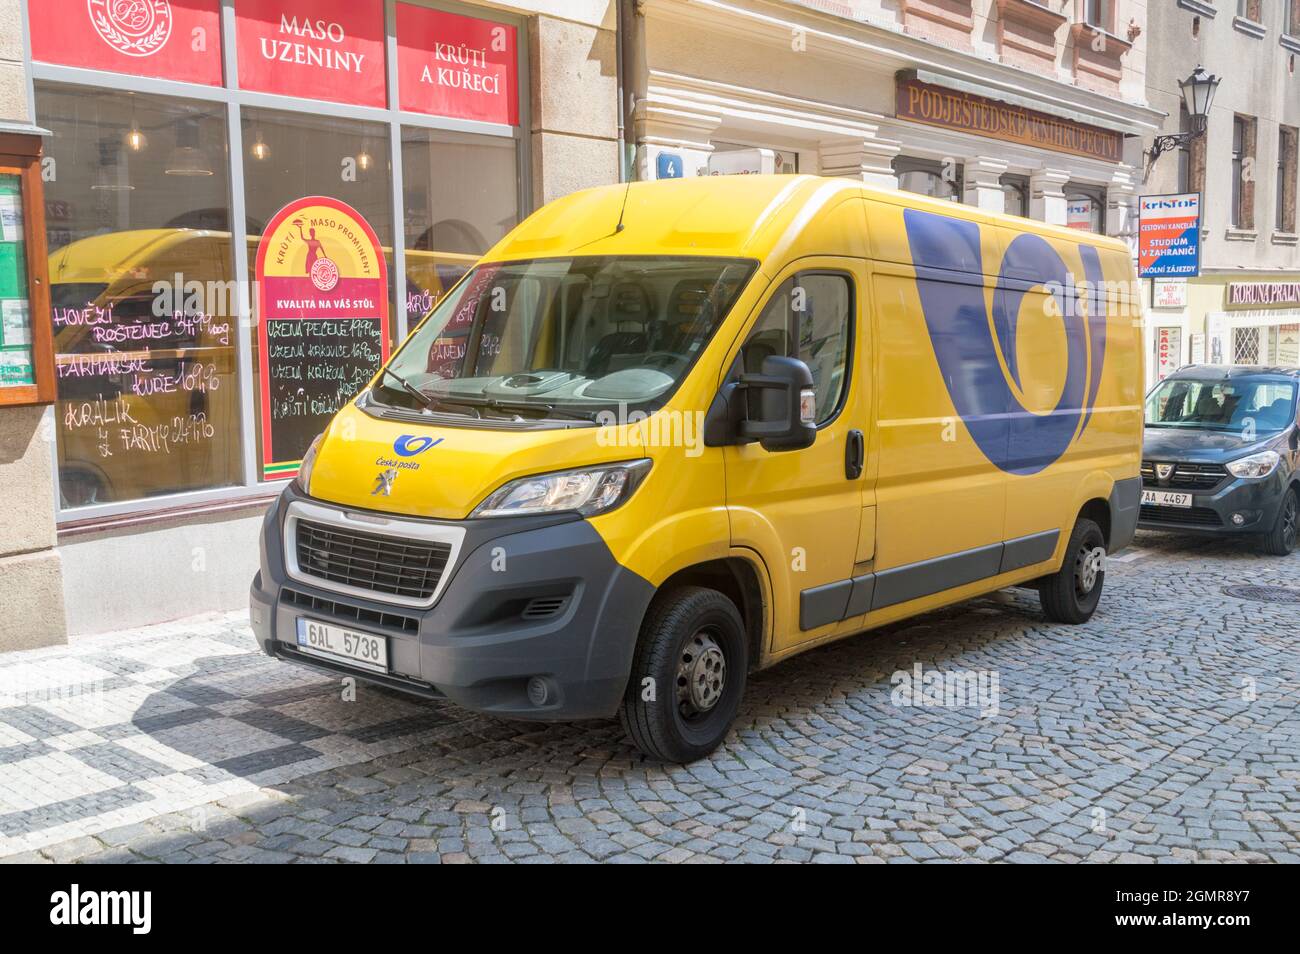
(15, 316)
(322, 292)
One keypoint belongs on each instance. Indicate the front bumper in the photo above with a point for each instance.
(1256, 500)
(475, 645)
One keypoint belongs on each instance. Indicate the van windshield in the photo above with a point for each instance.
(1223, 404)
(564, 337)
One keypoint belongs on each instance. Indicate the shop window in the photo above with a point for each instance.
(1285, 218)
(143, 303)
(809, 318)
(1085, 208)
(461, 198)
(1246, 345)
(292, 155)
(941, 180)
(1015, 195)
(1243, 179)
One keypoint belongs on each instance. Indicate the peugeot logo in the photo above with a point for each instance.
(1164, 471)
(384, 483)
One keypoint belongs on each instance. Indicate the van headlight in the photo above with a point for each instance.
(303, 480)
(588, 490)
(1256, 465)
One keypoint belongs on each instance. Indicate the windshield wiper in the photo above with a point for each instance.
(432, 402)
(519, 408)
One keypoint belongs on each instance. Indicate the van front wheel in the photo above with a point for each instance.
(1071, 594)
(688, 675)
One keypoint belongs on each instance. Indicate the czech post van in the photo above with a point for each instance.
(669, 433)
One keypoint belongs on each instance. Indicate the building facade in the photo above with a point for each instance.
(1033, 107)
(176, 132)
(1244, 307)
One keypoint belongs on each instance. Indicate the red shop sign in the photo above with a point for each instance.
(449, 65)
(169, 39)
(326, 49)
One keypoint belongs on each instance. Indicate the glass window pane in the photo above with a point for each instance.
(289, 156)
(807, 318)
(138, 209)
(460, 198)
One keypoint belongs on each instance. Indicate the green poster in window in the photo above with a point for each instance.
(13, 271)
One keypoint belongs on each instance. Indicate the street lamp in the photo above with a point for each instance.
(1198, 95)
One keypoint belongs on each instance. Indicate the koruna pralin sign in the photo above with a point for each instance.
(169, 39)
(326, 49)
(1169, 235)
(322, 322)
(455, 66)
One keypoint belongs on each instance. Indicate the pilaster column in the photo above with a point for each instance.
(983, 184)
(868, 160)
(1047, 195)
(683, 134)
(1121, 207)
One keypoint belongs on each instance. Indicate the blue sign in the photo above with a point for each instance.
(670, 166)
(408, 445)
(1169, 235)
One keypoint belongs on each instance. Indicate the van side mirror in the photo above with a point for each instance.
(779, 406)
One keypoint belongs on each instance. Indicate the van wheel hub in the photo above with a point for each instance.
(701, 674)
(1091, 564)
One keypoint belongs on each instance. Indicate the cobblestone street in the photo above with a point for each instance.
(1166, 730)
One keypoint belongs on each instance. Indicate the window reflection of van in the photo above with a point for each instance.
(149, 403)
(668, 433)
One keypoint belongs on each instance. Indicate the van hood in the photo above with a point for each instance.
(1199, 445)
(442, 472)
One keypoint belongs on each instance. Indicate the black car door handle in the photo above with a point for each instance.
(854, 454)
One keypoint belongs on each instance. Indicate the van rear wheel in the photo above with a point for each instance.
(1071, 594)
(688, 675)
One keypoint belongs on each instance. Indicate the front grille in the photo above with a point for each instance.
(371, 561)
(333, 608)
(1198, 516)
(1185, 476)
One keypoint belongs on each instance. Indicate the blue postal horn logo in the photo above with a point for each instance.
(408, 445)
(948, 262)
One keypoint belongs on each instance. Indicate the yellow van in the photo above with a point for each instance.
(669, 433)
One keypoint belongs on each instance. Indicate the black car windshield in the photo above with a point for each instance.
(1261, 403)
(564, 337)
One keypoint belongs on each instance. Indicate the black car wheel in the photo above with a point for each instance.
(1281, 539)
(688, 675)
(1071, 594)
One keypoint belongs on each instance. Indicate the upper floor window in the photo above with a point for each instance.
(1243, 179)
(1099, 13)
(1291, 23)
(1285, 217)
(1249, 10)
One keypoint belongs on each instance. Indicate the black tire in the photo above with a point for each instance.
(1281, 540)
(1071, 594)
(685, 630)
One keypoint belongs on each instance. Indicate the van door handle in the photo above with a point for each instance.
(854, 455)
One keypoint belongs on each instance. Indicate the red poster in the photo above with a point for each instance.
(449, 65)
(168, 39)
(322, 322)
(325, 49)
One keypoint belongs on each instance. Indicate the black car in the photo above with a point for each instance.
(1221, 453)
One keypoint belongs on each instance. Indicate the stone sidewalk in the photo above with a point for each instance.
(1165, 730)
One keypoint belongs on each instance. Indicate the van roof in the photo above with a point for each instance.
(733, 216)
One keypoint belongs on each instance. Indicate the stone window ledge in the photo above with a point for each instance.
(1240, 235)
(1249, 27)
(1286, 238)
(1199, 7)
(1290, 42)
(1030, 13)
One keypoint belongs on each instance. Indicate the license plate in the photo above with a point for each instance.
(363, 650)
(1166, 498)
